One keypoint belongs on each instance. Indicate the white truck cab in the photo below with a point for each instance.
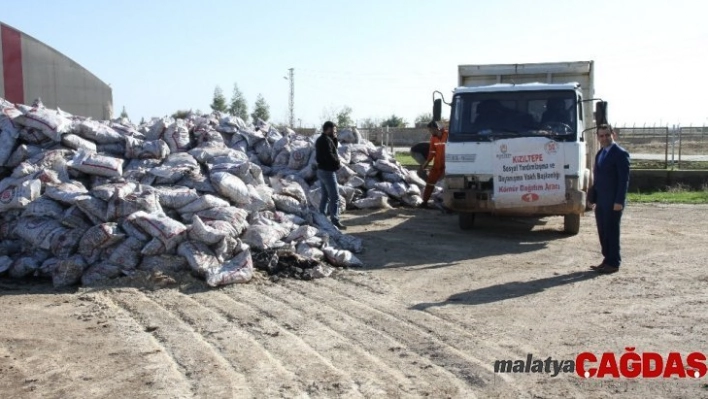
(519, 141)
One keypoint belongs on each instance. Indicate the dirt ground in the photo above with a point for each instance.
(427, 317)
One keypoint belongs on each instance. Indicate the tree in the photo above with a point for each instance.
(238, 106)
(422, 120)
(124, 114)
(261, 110)
(218, 104)
(341, 116)
(394, 121)
(344, 117)
(369, 123)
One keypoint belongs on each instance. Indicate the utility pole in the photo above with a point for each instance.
(292, 98)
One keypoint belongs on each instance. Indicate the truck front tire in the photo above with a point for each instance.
(466, 220)
(571, 224)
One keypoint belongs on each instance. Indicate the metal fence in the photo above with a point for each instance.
(675, 147)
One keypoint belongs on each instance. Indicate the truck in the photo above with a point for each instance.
(521, 141)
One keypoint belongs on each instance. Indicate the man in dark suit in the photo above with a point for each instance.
(608, 197)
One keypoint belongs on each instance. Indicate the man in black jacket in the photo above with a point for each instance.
(328, 164)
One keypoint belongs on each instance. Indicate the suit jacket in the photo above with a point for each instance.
(611, 178)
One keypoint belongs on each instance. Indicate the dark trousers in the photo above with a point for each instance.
(608, 228)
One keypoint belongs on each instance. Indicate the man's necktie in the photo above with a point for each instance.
(601, 157)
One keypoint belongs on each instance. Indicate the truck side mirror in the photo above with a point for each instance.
(437, 110)
(601, 113)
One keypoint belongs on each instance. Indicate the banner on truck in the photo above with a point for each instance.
(528, 172)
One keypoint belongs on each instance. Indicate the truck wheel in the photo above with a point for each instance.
(571, 223)
(466, 220)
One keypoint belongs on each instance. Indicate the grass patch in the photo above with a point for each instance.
(673, 195)
(663, 197)
(405, 159)
(685, 165)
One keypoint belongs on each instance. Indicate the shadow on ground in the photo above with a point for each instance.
(515, 289)
(405, 237)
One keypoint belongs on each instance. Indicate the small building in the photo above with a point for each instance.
(31, 69)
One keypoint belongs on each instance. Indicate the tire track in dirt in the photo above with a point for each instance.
(498, 346)
(266, 375)
(472, 372)
(387, 348)
(494, 336)
(449, 332)
(353, 285)
(367, 354)
(448, 341)
(434, 323)
(319, 375)
(209, 374)
(167, 371)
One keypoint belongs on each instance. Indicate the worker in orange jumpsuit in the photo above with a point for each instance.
(436, 154)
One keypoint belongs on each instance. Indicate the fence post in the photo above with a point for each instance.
(673, 145)
(666, 150)
(391, 144)
(680, 131)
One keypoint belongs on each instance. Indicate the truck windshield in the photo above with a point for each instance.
(489, 116)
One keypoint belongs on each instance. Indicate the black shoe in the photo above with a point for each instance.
(607, 269)
(598, 267)
(424, 205)
(339, 225)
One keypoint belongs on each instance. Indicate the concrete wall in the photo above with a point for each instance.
(47, 74)
(404, 137)
(657, 180)
(305, 131)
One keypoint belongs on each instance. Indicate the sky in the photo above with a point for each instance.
(379, 57)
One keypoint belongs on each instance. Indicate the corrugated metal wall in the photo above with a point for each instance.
(30, 69)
